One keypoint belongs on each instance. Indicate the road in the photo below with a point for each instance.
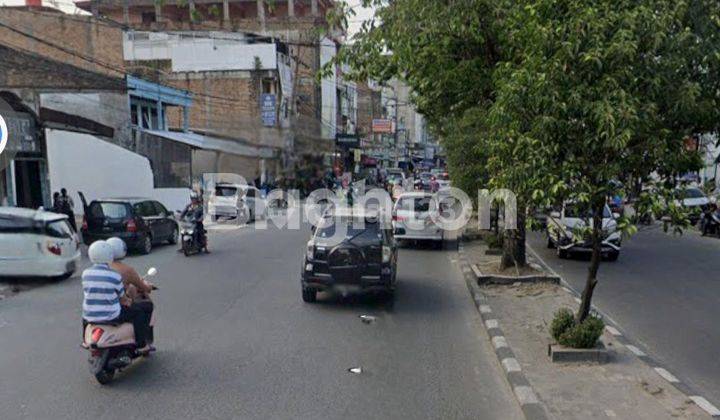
(664, 292)
(236, 341)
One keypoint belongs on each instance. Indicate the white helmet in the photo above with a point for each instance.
(119, 248)
(100, 252)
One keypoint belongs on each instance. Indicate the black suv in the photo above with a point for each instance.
(349, 253)
(140, 222)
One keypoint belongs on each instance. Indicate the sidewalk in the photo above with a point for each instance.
(624, 388)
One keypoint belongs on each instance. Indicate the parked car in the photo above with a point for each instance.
(411, 218)
(423, 181)
(37, 243)
(562, 226)
(362, 257)
(694, 200)
(235, 201)
(140, 222)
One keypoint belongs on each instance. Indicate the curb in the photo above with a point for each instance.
(524, 393)
(615, 330)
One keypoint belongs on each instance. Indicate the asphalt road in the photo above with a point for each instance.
(236, 341)
(664, 292)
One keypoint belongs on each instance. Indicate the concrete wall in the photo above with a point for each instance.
(81, 162)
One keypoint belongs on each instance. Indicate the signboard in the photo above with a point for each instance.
(20, 132)
(347, 140)
(267, 109)
(382, 126)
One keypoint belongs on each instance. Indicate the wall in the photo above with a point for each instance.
(81, 162)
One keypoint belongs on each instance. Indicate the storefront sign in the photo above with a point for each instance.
(347, 140)
(267, 109)
(21, 133)
(382, 126)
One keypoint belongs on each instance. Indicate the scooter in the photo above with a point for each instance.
(112, 347)
(710, 222)
(190, 242)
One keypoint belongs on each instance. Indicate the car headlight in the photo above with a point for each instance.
(310, 252)
(387, 254)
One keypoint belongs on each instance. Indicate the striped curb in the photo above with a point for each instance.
(524, 394)
(619, 337)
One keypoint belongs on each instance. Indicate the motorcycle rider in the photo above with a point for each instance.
(137, 290)
(194, 213)
(104, 300)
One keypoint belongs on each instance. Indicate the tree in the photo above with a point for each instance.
(609, 90)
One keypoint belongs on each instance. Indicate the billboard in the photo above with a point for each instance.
(382, 126)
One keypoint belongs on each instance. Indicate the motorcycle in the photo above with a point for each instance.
(190, 241)
(112, 347)
(710, 222)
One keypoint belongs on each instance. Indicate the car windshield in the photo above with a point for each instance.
(59, 229)
(110, 210)
(226, 191)
(356, 227)
(575, 211)
(415, 204)
(690, 193)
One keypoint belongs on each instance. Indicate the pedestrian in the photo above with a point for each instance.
(56, 202)
(66, 206)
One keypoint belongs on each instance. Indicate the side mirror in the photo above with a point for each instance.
(616, 215)
(152, 272)
(555, 214)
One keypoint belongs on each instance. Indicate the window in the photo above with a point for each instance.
(148, 17)
(415, 204)
(99, 210)
(145, 209)
(160, 209)
(59, 229)
(225, 191)
(250, 193)
(356, 228)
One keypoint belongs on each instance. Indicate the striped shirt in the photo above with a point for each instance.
(102, 289)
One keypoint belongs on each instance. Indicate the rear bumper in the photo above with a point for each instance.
(39, 267)
(319, 281)
(409, 234)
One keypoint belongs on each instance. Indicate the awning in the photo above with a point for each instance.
(214, 143)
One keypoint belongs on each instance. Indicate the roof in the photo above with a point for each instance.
(24, 213)
(123, 199)
(21, 69)
(214, 143)
(349, 212)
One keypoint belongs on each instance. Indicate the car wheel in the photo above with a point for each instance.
(613, 256)
(174, 237)
(562, 253)
(146, 246)
(309, 295)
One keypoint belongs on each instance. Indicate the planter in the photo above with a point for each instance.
(507, 279)
(561, 354)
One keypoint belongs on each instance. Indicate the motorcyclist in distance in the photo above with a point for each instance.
(194, 213)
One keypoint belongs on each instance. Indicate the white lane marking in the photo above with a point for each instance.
(525, 395)
(635, 350)
(666, 375)
(485, 309)
(499, 342)
(511, 364)
(610, 413)
(705, 405)
(612, 330)
(491, 323)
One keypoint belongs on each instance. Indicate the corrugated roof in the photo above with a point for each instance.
(214, 143)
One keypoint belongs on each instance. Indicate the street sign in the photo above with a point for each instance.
(382, 126)
(347, 140)
(267, 109)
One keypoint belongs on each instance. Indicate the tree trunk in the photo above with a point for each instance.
(513, 251)
(596, 237)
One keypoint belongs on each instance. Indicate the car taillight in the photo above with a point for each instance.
(131, 226)
(54, 248)
(84, 223)
(96, 334)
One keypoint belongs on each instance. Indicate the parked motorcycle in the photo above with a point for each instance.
(112, 347)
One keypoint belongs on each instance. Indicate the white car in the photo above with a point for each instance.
(694, 200)
(562, 235)
(37, 243)
(235, 200)
(411, 218)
